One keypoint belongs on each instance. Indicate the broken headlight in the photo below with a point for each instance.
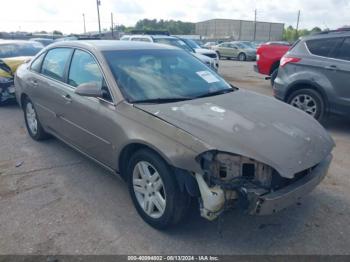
(230, 170)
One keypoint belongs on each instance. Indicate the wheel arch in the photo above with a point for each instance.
(274, 66)
(22, 99)
(184, 179)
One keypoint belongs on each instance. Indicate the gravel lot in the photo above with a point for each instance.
(57, 202)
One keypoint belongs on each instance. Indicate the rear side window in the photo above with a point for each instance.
(55, 63)
(323, 47)
(140, 39)
(344, 51)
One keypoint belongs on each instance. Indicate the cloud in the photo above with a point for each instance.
(66, 15)
(128, 7)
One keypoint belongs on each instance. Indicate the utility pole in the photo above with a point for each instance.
(84, 23)
(255, 25)
(112, 25)
(98, 3)
(297, 29)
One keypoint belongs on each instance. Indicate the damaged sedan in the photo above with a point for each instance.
(173, 129)
(12, 54)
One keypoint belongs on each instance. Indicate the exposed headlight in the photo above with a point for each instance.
(226, 168)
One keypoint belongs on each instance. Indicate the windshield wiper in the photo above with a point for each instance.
(161, 100)
(219, 92)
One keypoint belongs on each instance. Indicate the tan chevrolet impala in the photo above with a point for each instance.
(172, 128)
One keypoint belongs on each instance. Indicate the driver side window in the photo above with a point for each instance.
(84, 69)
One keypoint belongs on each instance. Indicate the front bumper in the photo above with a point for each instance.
(279, 200)
(7, 89)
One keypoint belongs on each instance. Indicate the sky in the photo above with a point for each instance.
(67, 15)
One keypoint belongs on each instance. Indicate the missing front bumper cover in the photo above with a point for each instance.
(257, 201)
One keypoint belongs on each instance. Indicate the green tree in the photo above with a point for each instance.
(56, 32)
(174, 27)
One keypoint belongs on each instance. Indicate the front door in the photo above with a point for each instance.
(87, 122)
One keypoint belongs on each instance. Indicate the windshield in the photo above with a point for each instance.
(19, 49)
(241, 45)
(162, 74)
(249, 44)
(192, 43)
(174, 42)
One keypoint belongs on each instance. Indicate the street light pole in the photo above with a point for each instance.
(98, 3)
(84, 23)
(297, 29)
(255, 25)
(112, 25)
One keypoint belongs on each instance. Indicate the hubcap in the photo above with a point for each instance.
(31, 118)
(305, 103)
(149, 189)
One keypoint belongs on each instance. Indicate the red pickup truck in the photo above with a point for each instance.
(268, 58)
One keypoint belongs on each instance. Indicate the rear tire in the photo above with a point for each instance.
(154, 190)
(32, 121)
(308, 100)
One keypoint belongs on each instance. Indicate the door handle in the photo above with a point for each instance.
(67, 98)
(34, 83)
(331, 67)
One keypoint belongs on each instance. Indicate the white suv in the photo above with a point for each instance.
(174, 41)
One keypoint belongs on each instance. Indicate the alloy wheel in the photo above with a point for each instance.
(306, 103)
(149, 189)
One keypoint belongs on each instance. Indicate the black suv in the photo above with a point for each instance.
(314, 75)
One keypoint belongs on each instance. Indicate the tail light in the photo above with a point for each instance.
(287, 59)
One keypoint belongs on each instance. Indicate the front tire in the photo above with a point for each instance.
(154, 190)
(33, 124)
(308, 100)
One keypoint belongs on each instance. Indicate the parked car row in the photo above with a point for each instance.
(172, 128)
(237, 50)
(208, 57)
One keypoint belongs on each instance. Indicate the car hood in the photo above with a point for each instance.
(252, 125)
(12, 63)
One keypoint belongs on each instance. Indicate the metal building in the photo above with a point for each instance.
(228, 29)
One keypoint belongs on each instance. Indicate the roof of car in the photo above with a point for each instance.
(330, 34)
(109, 45)
(10, 41)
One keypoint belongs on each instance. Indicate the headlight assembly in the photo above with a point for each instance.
(225, 168)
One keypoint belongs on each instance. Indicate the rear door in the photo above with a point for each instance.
(224, 50)
(234, 50)
(341, 76)
(324, 61)
(46, 81)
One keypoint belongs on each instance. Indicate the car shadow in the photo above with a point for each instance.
(337, 124)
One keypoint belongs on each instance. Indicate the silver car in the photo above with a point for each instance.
(172, 128)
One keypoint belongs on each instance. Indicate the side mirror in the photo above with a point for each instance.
(90, 89)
